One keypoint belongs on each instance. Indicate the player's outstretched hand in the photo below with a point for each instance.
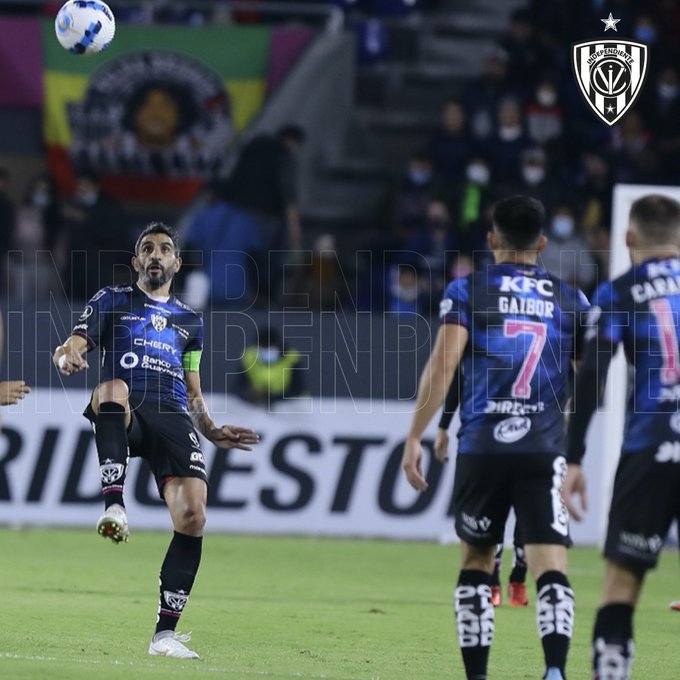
(412, 463)
(233, 437)
(11, 391)
(69, 362)
(575, 484)
(441, 445)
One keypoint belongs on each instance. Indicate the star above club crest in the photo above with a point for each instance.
(610, 22)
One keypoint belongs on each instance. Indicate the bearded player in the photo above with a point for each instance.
(149, 403)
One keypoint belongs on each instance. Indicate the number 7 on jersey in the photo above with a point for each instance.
(521, 388)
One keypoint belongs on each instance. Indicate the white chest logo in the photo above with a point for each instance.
(158, 322)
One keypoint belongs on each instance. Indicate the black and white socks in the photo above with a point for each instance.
(613, 648)
(112, 447)
(554, 617)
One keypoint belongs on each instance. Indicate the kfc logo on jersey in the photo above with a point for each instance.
(158, 322)
(526, 284)
(512, 429)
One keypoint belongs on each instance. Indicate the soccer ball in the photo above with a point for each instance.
(85, 26)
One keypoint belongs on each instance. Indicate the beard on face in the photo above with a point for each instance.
(157, 279)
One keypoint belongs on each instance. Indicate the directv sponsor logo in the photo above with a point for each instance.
(515, 408)
(512, 429)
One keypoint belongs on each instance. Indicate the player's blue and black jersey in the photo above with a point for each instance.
(523, 333)
(641, 310)
(143, 341)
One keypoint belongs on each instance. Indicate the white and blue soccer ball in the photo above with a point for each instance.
(85, 26)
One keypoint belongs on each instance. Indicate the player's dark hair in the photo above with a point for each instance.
(519, 221)
(657, 218)
(158, 228)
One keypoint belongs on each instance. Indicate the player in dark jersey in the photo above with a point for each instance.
(640, 309)
(513, 328)
(517, 592)
(149, 403)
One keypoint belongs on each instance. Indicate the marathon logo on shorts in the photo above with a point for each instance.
(511, 430)
(175, 601)
(639, 544)
(610, 75)
(111, 472)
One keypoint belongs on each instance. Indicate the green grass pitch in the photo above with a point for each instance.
(73, 606)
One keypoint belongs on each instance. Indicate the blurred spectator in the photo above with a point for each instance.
(271, 371)
(7, 219)
(525, 56)
(225, 238)
(595, 192)
(485, 93)
(92, 230)
(34, 270)
(508, 143)
(416, 189)
(567, 254)
(324, 285)
(265, 183)
(632, 157)
(436, 246)
(473, 197)
(403, 290)
(451, 144)
(661, 111)
(535, 180)
(544, 113)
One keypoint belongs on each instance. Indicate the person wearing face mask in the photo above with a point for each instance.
(90, 236)
(509, 141)
(544, 113)
(418, 186)
(567, 254)
(535, 179)
(271, 371)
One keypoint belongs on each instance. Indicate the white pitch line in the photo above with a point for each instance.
(194, 667)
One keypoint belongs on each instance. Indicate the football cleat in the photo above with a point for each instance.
(675, 606)
(517, 595)
(113, 524)
(496, 596)
(170, 643)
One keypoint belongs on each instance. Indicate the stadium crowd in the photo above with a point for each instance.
(520, 127)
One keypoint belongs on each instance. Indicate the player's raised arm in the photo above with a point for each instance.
(69, 357)
(434, 384)
(224, 437)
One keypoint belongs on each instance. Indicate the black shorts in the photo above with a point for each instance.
(645, 500)
(486, 486)
(164, 436)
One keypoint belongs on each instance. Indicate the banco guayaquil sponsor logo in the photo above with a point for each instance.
(610, 73)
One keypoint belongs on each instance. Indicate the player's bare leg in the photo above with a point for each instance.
(111, 406)
(186, 498)
(613, 648)
(554, 605)
(473, 608)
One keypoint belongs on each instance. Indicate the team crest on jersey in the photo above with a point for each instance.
(110, 471)
(610, 75)
(176, 600)
(159, 322)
